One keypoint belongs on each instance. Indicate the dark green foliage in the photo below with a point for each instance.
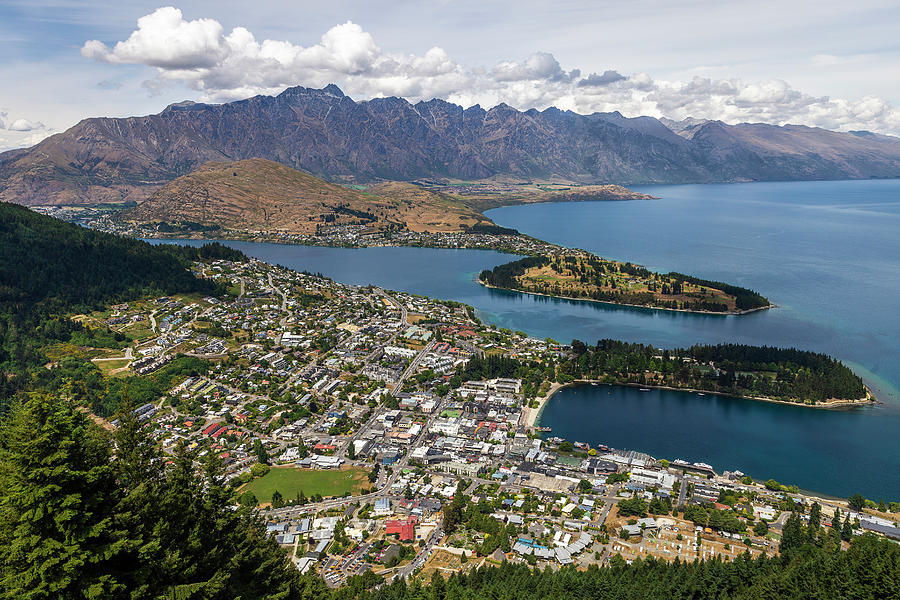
(856, 502)
(868, 570)
(505, 275)
(261, 454)
(50, 269)
(658, 506)
(744, 298)
(722, 520)
(106, 396)
(78, 521)
(633, 507)
(792, 535)
(184, 227)
(490, 229)
(847, 529)
(815, 521)
(58, 537)
(453, 513)
(490, 367)
(51, 266)
(785, 374)
(359, 214)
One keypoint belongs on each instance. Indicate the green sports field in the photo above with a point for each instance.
(290, 480)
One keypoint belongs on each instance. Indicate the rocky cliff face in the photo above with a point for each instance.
(330, 135)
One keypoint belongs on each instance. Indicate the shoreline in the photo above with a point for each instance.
(313, 244)
(647, 306)
(533, 415)
(265, 239)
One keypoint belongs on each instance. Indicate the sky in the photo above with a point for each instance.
(827, 64)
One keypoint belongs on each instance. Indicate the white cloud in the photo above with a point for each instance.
(164, 39)
(2, 120)
(25, 125)
(599, 79)
(224, 66)
(18, 139)
(540, 66)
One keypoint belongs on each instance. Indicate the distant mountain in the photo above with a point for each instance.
(332, 136)
(261, 195)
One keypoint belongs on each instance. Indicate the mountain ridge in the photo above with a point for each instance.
(332, 136)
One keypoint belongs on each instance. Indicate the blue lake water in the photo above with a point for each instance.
(827, 253)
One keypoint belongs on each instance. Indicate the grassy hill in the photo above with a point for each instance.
(261, 195)
(428, 210)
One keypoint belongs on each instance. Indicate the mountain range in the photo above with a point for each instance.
(332, 136)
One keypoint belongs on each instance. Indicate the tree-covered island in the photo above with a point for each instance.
(584, 276)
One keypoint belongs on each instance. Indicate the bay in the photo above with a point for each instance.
(831, 452)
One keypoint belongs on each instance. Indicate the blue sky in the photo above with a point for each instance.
(828, 64)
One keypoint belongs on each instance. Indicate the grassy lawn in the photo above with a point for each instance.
(138, 331)
(107, 366)
(290, 480)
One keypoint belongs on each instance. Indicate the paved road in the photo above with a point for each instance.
(413, 365)
(284, 300)
(608, 501)
(682, 493)
(436, 536)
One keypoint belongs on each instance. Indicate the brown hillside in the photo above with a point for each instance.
(261, 195)
(427, 210)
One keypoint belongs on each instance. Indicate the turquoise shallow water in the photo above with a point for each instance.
(827, 253)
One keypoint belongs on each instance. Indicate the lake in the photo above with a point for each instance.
(827, 253)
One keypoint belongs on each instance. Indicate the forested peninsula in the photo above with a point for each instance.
(580, 275)
(755, 372)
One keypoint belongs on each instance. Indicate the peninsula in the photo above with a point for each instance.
(580, 275)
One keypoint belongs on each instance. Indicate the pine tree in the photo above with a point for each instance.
(847, 529)
(139, 474)
(261, 454)
(815, 519)
(792, 535)
(58, 537)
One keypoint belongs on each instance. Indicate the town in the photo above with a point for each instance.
(346, 236)
(380, 435)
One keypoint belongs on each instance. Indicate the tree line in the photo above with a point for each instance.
(738, 369)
